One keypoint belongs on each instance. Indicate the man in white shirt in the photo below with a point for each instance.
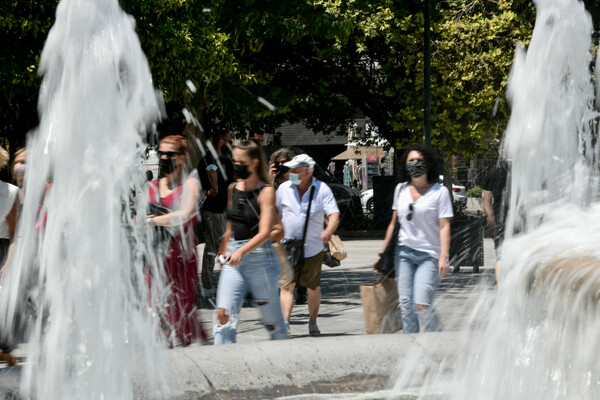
(293, 198)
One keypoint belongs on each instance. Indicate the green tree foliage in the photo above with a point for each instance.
(324, 60)
(472, 57)
(316, 61)
(183, 41)
(24, 26)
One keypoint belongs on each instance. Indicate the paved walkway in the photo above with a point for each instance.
(341, 310)
(343, 360)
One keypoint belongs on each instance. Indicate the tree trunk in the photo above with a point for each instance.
(447, 163)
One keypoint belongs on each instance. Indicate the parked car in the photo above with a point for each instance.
(366, 199)
(458, 192)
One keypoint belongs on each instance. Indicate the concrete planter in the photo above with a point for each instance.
(474, 204)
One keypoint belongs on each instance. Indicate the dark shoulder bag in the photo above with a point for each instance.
(385, 265)
(295, 247)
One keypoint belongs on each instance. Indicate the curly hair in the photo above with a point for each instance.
(284, 152)
(431, 160)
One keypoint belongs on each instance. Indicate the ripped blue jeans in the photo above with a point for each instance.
(258, 273)
(418, 278)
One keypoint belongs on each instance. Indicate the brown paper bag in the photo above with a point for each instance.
(336, 248)
(380, 306)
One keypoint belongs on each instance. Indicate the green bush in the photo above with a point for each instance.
(475, 191)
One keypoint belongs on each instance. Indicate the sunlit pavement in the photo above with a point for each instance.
(341, 310)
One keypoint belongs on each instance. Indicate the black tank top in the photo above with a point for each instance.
(244, 214)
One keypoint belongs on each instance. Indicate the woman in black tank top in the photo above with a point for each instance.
(251, 265)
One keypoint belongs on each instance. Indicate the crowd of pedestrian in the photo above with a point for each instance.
(248, 212)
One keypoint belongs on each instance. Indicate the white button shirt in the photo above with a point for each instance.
(293, 213)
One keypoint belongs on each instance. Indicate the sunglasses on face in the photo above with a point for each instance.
(169, 154)
(411, 207)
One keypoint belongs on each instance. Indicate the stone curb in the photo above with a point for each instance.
(301, 366)
(267, 369)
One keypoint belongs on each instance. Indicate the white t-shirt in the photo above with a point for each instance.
(422, 232)
(293, 213)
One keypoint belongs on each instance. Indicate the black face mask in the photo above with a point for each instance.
(416, 168)
(165, 167)
(241, 171)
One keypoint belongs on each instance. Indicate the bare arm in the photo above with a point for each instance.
(188, 208)
(213, 179)
(333, 220)
(225, 239)
(277, 232)
(487, 205)
(266, 202)
(444, 262)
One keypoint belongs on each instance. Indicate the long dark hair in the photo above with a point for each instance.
(431, 160)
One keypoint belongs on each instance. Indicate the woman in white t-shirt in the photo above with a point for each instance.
(423, 208)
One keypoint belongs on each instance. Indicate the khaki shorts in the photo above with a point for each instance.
(287, 271)
(309, 275)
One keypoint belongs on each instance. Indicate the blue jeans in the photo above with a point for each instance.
(418, 278)
(258, 273)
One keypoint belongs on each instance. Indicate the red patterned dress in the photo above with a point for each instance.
(181, 270)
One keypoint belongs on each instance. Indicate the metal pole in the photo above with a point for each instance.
(427, 77)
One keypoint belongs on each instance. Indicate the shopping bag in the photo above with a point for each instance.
(328, 259)
(336, 248)
(380, 306)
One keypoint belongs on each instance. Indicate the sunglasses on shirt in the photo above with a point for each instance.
(411, 207)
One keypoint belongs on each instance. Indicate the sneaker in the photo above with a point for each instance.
(313, 329)
(287, 329)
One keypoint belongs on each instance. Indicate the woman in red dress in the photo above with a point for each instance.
(179, 193)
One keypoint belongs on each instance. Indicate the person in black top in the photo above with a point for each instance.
(250, 263)
(495, 203)
(215, 177)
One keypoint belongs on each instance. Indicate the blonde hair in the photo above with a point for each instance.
(255, 152)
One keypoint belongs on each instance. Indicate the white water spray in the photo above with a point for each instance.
(94, 329)
(542, 337)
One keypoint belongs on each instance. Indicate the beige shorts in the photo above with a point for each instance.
(287, 271)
